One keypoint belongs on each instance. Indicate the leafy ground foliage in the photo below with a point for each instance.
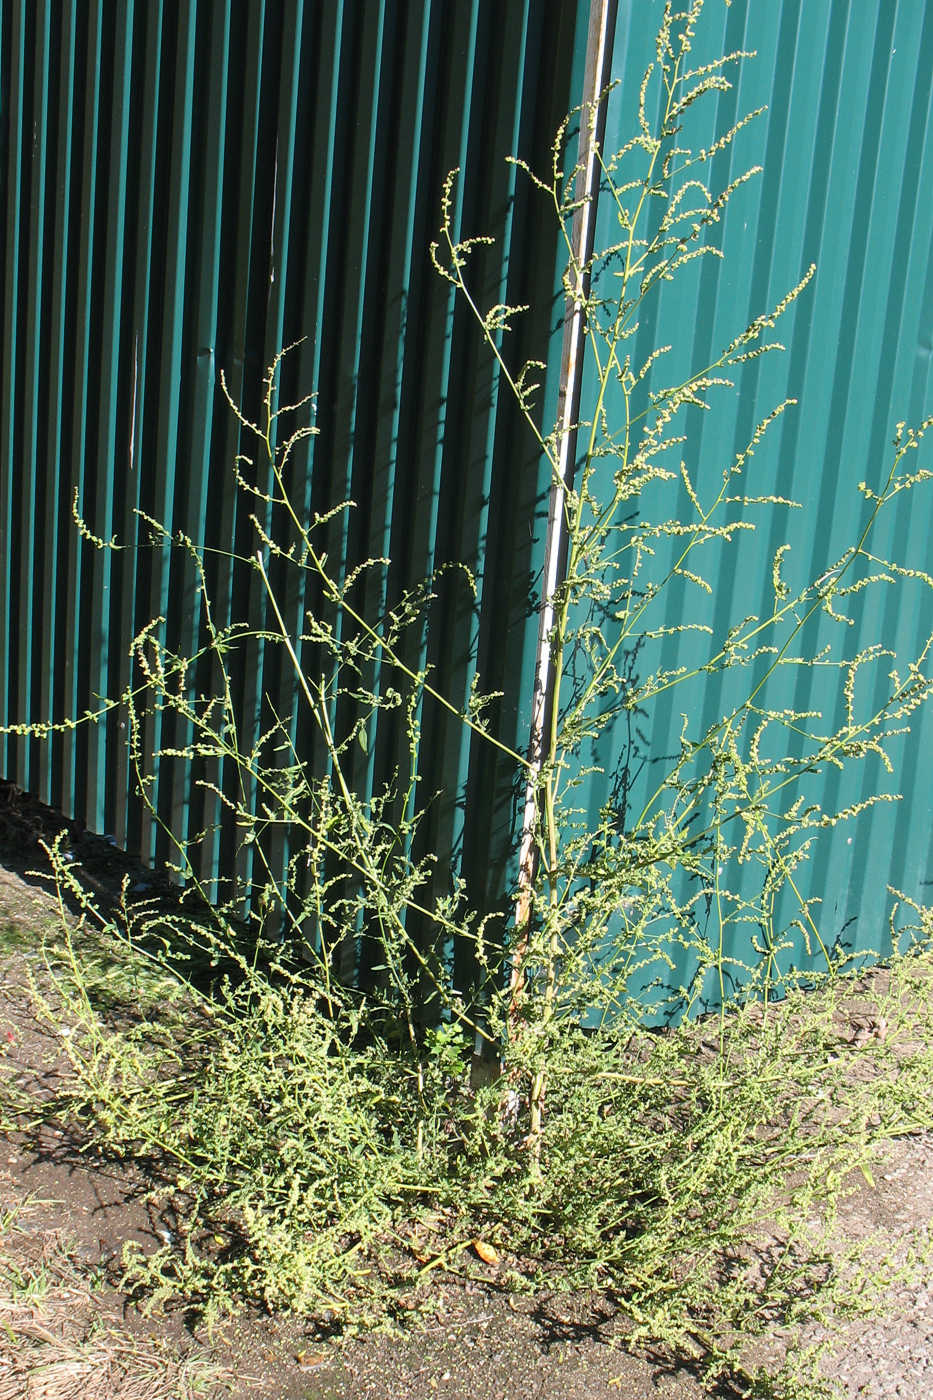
(326, 1146)
(691, 1174)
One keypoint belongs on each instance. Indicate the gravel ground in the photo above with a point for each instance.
(892, 1356)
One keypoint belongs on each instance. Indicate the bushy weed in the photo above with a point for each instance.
(324, 1139)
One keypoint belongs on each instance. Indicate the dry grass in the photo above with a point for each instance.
(44, 1356)
(58, 1343)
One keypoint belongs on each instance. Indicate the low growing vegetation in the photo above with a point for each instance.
(326, 1146)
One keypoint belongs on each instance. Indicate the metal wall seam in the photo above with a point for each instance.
(250, 281)
(57, 478)
(911, 845)
(463, 615)
(200, 389)
(286, 136)
(109, 478)
(78, 697)
(30, 494)
(359, 310)
(803, 77)
(167, 597)
(310, 253)
(458, 148)
(521, 480)
(907, 138)
(837, 503)
(811, 147)
(438, 420)
(243, 56)
(396, 340)
(410, 351)
(701, 303)
(13, 183)
(321, 117)
(141, 402)
(278, 680)
(199, 396)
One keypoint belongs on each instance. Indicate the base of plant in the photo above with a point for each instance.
(691, 1175)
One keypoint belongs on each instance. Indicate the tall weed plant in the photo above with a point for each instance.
(322, 1144)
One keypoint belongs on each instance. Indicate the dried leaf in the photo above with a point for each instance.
(486, 1252)
(307, 1360)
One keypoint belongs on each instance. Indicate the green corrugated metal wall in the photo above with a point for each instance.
(847, 149)
(186, 188)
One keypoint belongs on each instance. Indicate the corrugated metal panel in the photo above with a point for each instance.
(848, 184)
(187, 187)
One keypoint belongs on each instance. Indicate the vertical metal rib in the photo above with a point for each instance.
(600, 39)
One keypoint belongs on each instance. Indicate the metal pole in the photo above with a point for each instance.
(598, 64)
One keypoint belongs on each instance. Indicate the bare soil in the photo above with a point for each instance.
(68, 1329)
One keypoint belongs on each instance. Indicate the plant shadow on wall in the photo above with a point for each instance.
(323, 1146)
